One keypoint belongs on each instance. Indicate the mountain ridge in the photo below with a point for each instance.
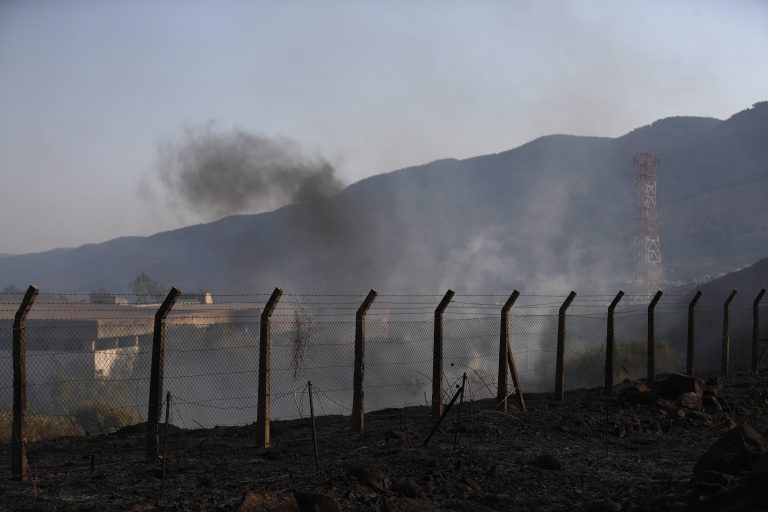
(549, 213)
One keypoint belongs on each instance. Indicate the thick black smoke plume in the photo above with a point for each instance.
(220, 173)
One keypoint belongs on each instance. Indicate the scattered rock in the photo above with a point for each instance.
(372, 477)
(143, 506)
(493, 471)
(407, 488)
(690, 400)
(711, 403)
(700, 416)
(395, 504)
(637, 394)
(468, 484)
(268, 502)
(396, 435)
(316, 502)
(548, 461)
(603, 506)
(716, 383)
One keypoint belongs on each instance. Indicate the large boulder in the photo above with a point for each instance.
(735, 452)
(732, 475)
(672, 385)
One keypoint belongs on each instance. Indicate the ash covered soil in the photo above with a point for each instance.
(633, 451)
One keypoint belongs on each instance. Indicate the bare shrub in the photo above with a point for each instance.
(303, 329)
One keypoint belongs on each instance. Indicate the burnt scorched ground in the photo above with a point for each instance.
(588, 453)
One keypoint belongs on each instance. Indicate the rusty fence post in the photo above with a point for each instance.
(437, 356)
(358, 397)
(156, 375)
(651, 350)
(265, 354)
(559, 366)
(691, 340)
(19, 466)
(502, 385)
(725, 357)
(756, 330)
(609, 341)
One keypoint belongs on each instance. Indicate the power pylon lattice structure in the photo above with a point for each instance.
(648, 272)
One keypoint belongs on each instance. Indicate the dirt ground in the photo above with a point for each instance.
(587, 453)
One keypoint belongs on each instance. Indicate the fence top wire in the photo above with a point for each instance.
(330, 307)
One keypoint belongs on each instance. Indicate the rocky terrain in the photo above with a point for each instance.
(639, 450)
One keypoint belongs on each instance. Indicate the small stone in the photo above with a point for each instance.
(637, 394)
(700, 416)
(316, 502)
(712, 403)
(493, 471)
(407, 488)
(395, 504)
(603, 506)
(268, 502)
(548, 461)
(470, 484)
(690, 401)
(396, 435)
(372, 477)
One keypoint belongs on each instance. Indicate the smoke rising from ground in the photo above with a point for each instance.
(219, 173)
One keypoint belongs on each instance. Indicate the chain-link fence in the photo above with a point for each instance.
(88, 358)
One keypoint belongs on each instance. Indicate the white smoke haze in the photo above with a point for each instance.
(214, 173)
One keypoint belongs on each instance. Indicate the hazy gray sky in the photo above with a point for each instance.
(89, 89)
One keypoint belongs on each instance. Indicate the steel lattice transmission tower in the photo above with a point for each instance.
(648, 271)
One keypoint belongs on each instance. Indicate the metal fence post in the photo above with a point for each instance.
(609, 340)
(756, 330)
(156, 375)
(559, 366)
(725, 358)
(19, 466)
(501, 393)
(265, 353)
(358, 397)
(437, 356)
(691, 341)
(651, 350)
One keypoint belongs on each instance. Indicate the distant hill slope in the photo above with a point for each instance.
(554, 214)
(747, 282)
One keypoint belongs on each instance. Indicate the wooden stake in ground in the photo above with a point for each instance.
(442, 416)
(314, 431)
(458, 415)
